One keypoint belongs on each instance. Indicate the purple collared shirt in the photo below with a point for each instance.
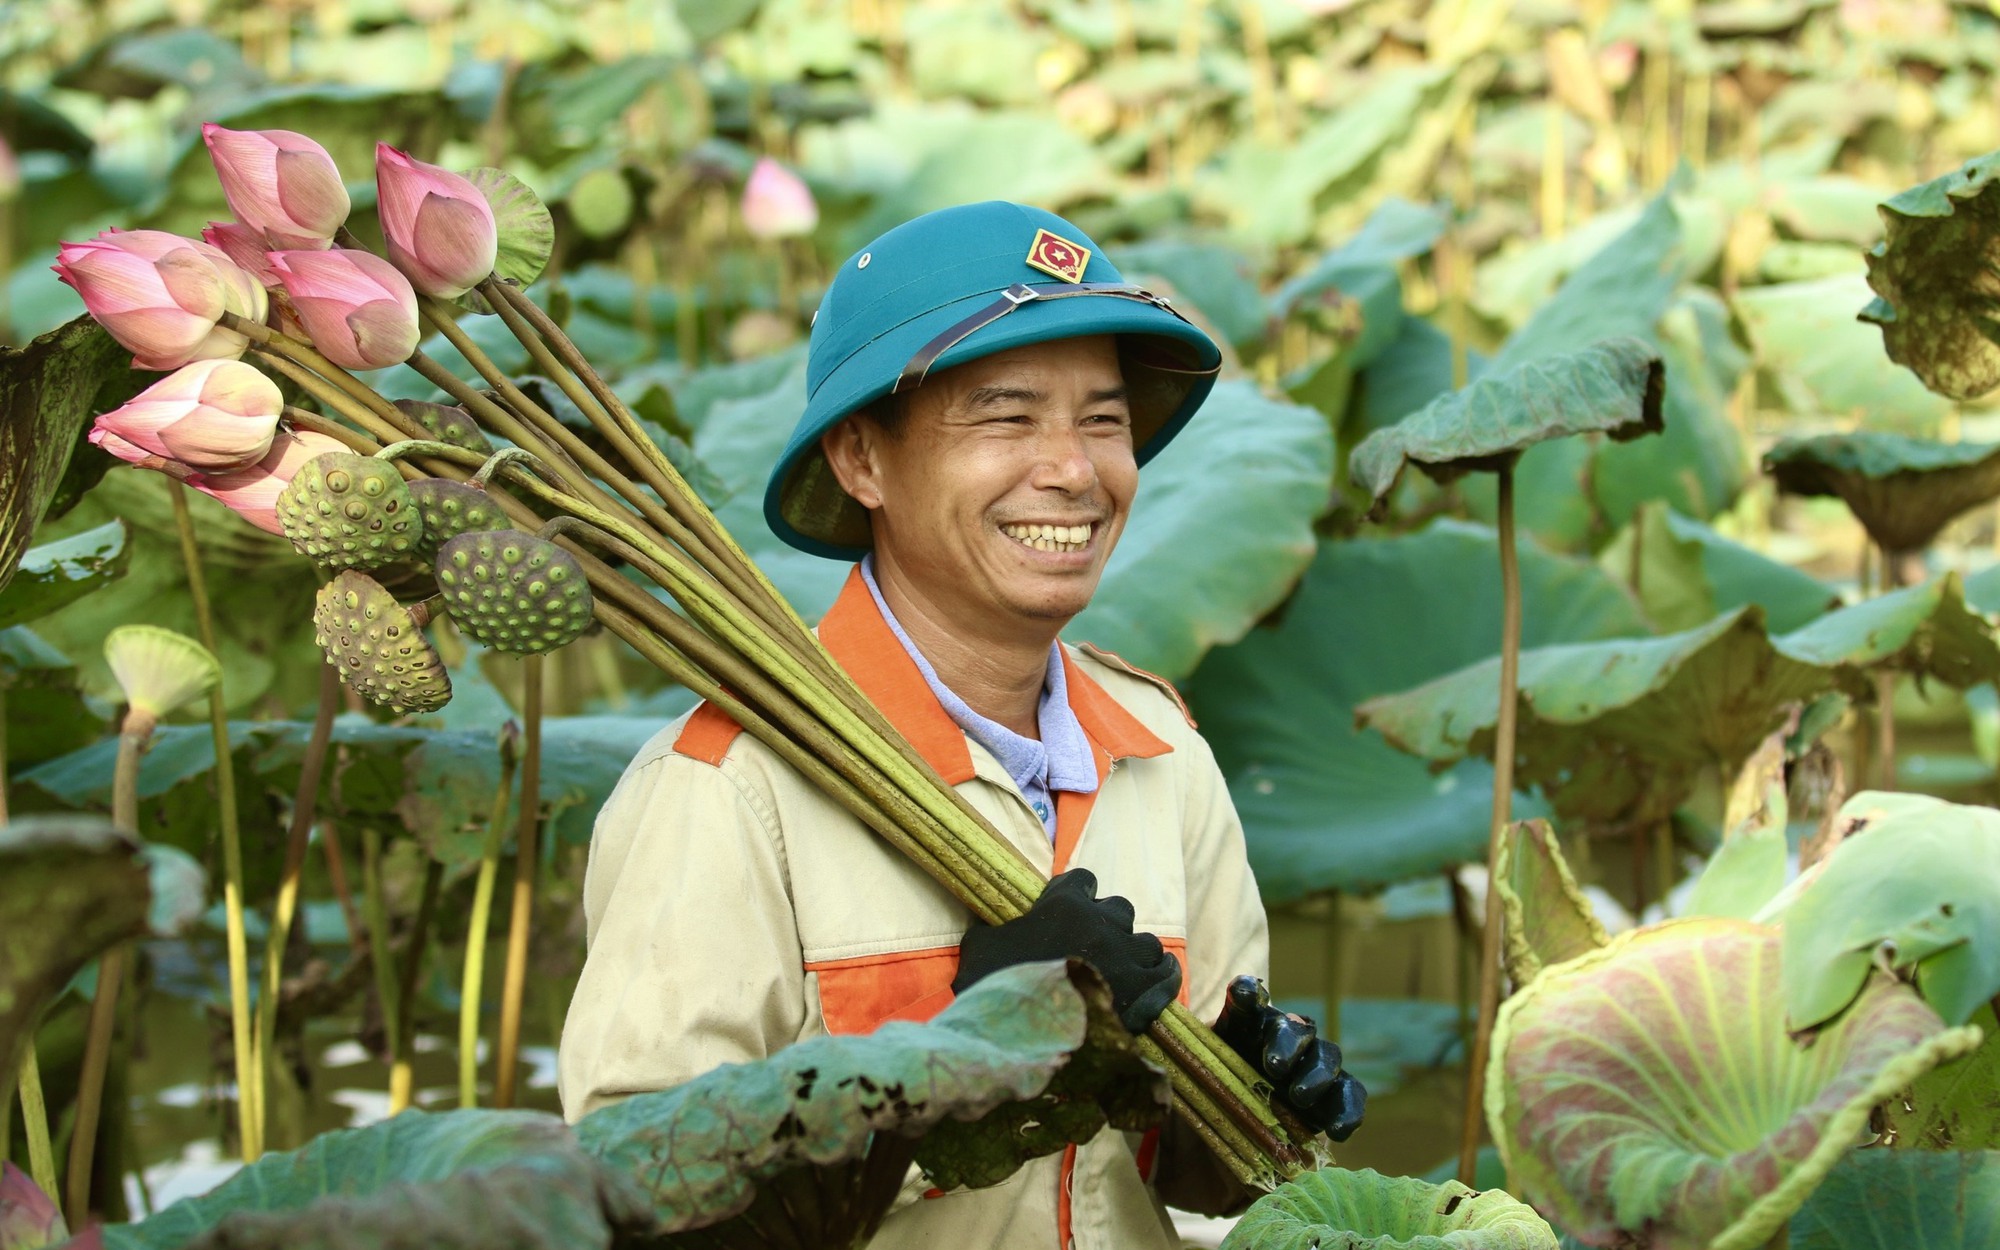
(1062, 760)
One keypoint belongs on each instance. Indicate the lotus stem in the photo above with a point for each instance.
(35, 1121)
(301, 353)
(527, 858)
(249, 1113)
(343, 893)
(299, 418)
(505, 456)
(418, 447)
(1503, 801)
(401, 1078)
(473, 980)
(132, 740)
(329, 397)
(305, 805)
(376, 912)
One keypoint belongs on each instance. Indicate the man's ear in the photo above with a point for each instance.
(851, 448)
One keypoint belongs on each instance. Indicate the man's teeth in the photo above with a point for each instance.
(1050, 537)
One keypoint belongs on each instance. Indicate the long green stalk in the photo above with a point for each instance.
(521, 914)
(249, 1111)
(401, 1076)
(305, 805)
(132, 740)
(376, 912)
(35, 1121)
(1503, 800)
(474, 978)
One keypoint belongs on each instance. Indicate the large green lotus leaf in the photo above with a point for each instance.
(1688, 574)
(1325, 807)
(54, 574)
(48, 391)
(1337, 1209)
(815, 1141)
(1824, 363)
(1903, 490)
(1927, 630)
(71, 887)
(1916, 882)
(1651, 1090)
(1904, 1200)
(1952, 1107)
(1220, 532)
(1613, 387)
(1355, 289)
(456, 1179)
(1613, 732)
(1935, 312)
(1546, 918)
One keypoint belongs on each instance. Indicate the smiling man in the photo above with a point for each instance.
(983, 388)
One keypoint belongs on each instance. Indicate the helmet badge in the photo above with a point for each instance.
(1057, 256)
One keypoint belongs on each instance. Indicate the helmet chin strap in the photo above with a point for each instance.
(1013, 297)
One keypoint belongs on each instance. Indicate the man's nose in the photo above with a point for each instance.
(1064, 462)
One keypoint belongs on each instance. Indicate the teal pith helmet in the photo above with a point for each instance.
(952, 286)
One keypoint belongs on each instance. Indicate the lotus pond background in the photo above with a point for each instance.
(1369, 203)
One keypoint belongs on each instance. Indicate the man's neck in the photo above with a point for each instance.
(1000, 678)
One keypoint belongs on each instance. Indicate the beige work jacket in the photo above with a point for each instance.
(733, 910)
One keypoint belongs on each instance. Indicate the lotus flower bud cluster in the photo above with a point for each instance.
(356, 308)
(777, 203)
(280, 184)
(212, 415)
(439, 228)
(161, 295)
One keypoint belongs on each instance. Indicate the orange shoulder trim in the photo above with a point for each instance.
(707, 735)
(1124, 665)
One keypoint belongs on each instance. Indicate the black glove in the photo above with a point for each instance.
(1303, 1068)
(1069, 921)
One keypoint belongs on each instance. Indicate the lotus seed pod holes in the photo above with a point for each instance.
(513, 591)
(350, 512)
(378, 645)
(448, 509)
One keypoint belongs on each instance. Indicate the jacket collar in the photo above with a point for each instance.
(862, 642)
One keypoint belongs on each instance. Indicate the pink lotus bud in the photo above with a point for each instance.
(439, 227)
(213, 415)
(101, 437)
(355, 306)
(776, 202)
(279, 183)
(160, 295)
(28, 1217)
(242, 245)
(252, 493)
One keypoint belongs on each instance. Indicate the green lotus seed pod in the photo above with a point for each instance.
(379, 645)
(448, 425)
(350, 512)
(452, 508)
(513, 591)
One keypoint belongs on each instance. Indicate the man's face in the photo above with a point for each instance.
(1007, 485)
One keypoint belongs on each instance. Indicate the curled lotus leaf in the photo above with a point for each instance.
(1904, 1200)
(527, 231)
(1651, 1087)
(1926, 630)
(1546, 919)
(1903, 490)
(1935, 312)
(455, 1180)
(1748, 869)
(1915, 882)
(817, 1140)
(1612, 387)
(1336, 1209)
(1615, 733)
(75, 887)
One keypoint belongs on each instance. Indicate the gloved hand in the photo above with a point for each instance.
(1303, 1068)
(1069, 921)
